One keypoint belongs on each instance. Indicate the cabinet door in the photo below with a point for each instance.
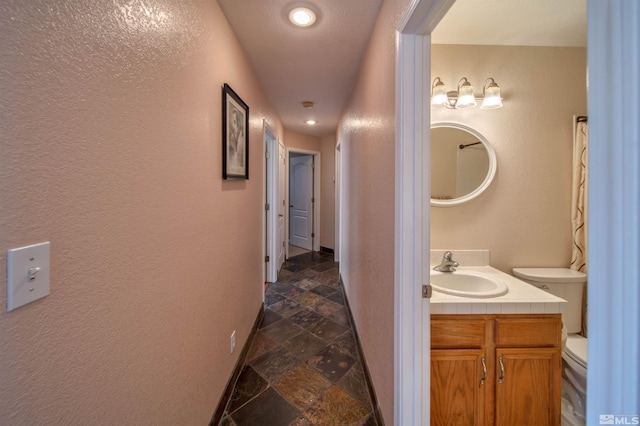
(528, 386)
(458, 387)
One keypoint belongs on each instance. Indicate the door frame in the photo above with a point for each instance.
(316, 194)
(412, 185)
(270, 198)
(613, 376)
(613, 231)
(337, 213)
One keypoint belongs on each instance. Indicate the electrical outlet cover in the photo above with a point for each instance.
(27, 274)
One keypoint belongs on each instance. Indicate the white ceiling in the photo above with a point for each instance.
(293, 64)
(514, 23)
(320, 63)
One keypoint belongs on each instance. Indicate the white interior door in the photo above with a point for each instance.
(280, 205)
(272, 196)
(268, 238)
(300, 206)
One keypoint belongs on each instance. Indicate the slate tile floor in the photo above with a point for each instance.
(303, 366)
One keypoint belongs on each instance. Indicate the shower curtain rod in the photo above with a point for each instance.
(469, 144)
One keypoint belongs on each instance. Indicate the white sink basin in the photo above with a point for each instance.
(467, 284)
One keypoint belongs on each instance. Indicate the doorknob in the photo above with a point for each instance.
(291, 205)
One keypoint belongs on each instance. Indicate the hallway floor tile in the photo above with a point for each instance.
(303, 366)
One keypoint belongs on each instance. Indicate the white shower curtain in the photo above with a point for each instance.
(579, 196)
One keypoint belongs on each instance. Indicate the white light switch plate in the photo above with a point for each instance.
(27, 274)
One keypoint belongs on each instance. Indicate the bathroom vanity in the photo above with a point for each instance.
(496, 369)
(495, 360)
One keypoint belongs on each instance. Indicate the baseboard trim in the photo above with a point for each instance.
(237, 369)
(326, 250)
(365, 367)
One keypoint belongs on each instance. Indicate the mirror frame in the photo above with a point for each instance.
(493, 165)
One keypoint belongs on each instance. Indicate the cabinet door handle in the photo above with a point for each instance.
(501, 378)
(484, 371)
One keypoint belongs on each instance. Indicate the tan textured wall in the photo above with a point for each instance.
(110, 146)
(301, 141)
(367, 137)
(524, 216)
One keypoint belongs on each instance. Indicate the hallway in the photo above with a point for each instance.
(303, 367)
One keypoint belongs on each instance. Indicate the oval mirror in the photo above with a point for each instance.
(463, 164)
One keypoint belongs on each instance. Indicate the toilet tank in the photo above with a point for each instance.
(562, 282)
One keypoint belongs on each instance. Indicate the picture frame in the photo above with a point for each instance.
(235, 135)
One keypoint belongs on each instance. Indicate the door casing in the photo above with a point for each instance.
(612, 212)
(412, 185)
(281, 207)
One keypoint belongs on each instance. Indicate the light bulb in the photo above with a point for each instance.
(439, 93)
(466, 97)
(302, 17)
(492, 98)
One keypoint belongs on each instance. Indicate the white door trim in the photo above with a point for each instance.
(412, 341)
(281, 207)
(613, 376)
(316, 194)
(614, 236)
(338, 215)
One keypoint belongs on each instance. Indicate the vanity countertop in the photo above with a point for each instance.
(522, 298)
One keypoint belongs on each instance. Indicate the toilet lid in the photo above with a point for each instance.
(550, 275)
(576, 348)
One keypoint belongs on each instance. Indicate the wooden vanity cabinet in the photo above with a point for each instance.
(455, 375)
(458, 371)
(502, 370)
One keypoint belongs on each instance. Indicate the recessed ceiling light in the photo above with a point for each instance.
(302, 16)
(311, 122)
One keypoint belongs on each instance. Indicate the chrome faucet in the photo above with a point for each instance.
(448, 264)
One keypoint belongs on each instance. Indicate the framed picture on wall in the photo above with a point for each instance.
(235, 135)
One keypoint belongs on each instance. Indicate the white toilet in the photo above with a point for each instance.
(568, 285)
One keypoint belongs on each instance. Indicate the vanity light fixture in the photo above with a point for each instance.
(439, 95)
(491, 93)
(464, 97)
(302, 16)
